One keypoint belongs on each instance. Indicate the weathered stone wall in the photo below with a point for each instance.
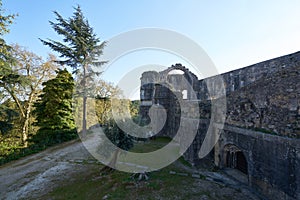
(262, 119)
(273, 161)
(271, 105)
(264, 96)
(234, 80)
(191, 154)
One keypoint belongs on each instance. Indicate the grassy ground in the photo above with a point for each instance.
(118, 185)
(90, 184)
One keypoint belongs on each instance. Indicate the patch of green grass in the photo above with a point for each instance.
(90, 185)
(120, 185)
(154, 185)
(151, 145)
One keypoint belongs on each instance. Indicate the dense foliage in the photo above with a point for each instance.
(54, 111)
(117, 136)
(5, 56)
(6, 72)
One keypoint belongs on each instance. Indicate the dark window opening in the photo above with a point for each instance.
(241, 162)
(236, 160)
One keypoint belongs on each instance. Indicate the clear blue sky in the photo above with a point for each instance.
(234, 33)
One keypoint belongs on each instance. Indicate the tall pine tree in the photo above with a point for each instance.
(80, 49)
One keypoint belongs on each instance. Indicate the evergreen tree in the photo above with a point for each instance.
(7, 115)
(6, 59)
(5, 56)
(80, 49)
(7, 75)
(54, 111)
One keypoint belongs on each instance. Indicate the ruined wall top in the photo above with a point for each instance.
(262, 96)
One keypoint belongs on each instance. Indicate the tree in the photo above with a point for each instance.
(80, 49)
(5, 56)
(29, 71)
(54, 110)
(6, 59)
(119, 138)
(7, 75)
(104, 91)
(7, 115)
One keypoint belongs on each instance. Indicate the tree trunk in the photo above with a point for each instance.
(84, 116)
(84, 111)
(25, 132)
(25, 113)
(25, 128)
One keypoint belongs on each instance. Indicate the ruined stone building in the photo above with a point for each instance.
(261, 134)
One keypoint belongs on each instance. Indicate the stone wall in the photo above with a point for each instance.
(264, 96)
(271, 104)
(262, 119)
(273, 161)
(237, 79)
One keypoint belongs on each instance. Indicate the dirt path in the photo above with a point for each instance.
(35, 175)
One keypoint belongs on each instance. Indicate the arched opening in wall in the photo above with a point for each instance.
(235, 159)
(174, 77)
(180, 82)
(176, 71)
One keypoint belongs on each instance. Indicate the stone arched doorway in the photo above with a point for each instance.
(235, 158)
